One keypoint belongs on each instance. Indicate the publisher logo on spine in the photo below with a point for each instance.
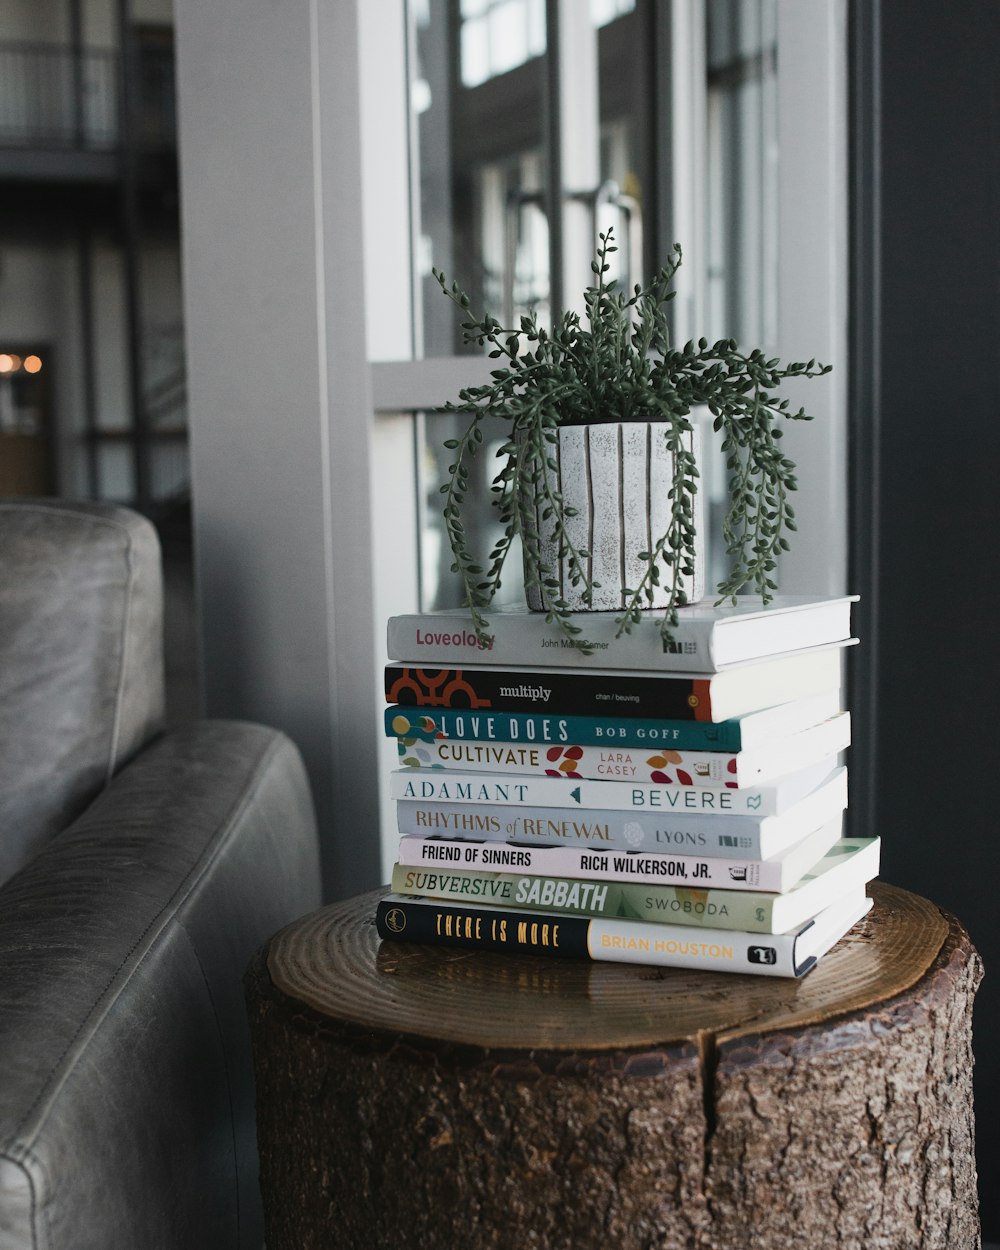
(395, 920)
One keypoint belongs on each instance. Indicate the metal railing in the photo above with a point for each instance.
(55, 97)
(51, 97)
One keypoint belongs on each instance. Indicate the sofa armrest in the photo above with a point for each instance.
(126, 1086)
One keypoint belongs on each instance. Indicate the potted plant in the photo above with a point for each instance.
(613, 376)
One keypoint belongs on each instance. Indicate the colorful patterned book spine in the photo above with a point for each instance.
(619, 693)
(667, 766)
(661, 696)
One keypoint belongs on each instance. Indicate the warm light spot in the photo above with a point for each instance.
(7, 363)
(32, 364)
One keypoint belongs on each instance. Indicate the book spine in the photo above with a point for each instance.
(713, 769)
(594, 865)
(663, 696)
(655, 904)
(428, 725)
(427, 640)
(716, 770)
(440, 786)
(738, 837)
(615, 941)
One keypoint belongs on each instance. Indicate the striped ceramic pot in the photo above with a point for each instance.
(618, 477)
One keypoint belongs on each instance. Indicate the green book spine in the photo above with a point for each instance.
(661, 904)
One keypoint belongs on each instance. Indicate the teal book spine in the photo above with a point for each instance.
(538, 728)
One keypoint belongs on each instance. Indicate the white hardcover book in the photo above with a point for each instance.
(706, 638)
(441, 786)
(850, 863)
(734, 837)
(791, 954)
(757, 729)
(775, 875)
(710, 769)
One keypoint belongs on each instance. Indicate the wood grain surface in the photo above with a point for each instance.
(422, 1096)
(333, 962)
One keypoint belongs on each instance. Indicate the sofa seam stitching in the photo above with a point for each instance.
(123, 661)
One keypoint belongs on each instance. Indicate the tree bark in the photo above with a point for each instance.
(412, 1096)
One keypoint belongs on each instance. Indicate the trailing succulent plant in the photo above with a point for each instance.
(615, 363)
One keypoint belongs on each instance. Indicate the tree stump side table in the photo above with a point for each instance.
(440, 1099)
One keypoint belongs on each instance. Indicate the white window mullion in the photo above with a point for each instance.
(390, 195)
(812, 296)
(280, 391)
(579, 143)
(689, 145)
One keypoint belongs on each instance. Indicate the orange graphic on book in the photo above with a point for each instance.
(700, 699)
(434, 687)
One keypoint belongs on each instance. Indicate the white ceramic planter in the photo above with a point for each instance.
(618, 477)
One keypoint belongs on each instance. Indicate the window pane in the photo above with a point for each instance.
(479, 137)
(475, 52)
(741, 40)
(741, 267)
(480, 219)
(628, 159)
(440, 588)
(508, 27)
(604, 11)
(498, 35)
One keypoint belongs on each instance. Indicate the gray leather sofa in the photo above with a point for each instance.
(139, 870)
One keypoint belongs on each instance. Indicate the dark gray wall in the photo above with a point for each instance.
(925, 325)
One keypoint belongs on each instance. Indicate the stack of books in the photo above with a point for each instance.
(623, 798)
